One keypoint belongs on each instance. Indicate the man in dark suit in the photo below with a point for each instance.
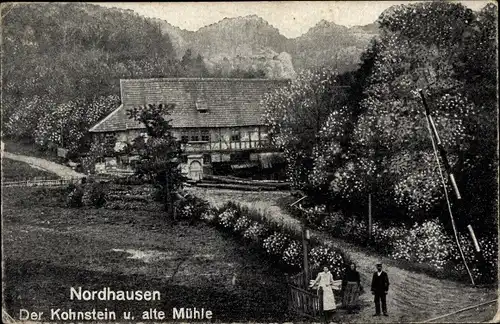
(380, 287)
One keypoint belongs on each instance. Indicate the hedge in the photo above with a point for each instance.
(281, 244)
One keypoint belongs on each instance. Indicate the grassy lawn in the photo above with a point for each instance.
(49, 249)
(16, 170)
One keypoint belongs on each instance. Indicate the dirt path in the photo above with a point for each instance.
(49, 166)
(412, 297)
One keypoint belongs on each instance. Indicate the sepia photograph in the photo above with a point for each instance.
(250, 162)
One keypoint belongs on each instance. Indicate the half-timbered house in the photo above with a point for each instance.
(218, 121)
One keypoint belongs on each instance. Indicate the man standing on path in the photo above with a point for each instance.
(380, 287)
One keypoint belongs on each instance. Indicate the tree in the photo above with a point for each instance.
(391, 154)
(159, 152)
(67, 124)
(101, 147)
(65, 57)
(295, 115)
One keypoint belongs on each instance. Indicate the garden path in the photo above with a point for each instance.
(412, 296)
(46, 165)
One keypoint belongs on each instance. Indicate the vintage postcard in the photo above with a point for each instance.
(256, 162)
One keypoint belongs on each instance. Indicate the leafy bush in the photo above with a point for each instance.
(94, 194)
(74, 198)
(424, 243)
(332, 223)
(255, 232)
(483, 265)
(384, 238)
(276, 243)
(130, 180)
(242, 224)
(227, 218)
(321, 256)
(292, 255)
(191, 208)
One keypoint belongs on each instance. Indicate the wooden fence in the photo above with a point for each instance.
(303, 301)
(41, 183)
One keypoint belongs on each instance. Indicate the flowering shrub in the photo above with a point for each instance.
(242, 224)
(69, 122)
(276, 243)
(324, 256)
(208, 216)
(292, 255)
(483, 265)
(227, 218)
(255, 232)
(332, 223)
(314, 214)
(384, 238)
(425, 243)
(186, 212)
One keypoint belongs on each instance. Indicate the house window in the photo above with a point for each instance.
(195, 138)
(207, 159)
(235, 137)
(184, 138)
(123, 161)
(201, 107)
(205, 136)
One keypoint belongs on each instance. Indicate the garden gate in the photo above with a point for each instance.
(302, 301)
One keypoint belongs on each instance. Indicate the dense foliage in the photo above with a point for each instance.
(391, 151)
(62, 63)
(427, 245)
(158, 151)
(295, 115)
(377, 142)
(376, 139)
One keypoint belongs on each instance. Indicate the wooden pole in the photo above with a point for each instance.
(476, 244)
(305, 240)
(429, 127)
(440, 147)
(370, 217)
(304, 251)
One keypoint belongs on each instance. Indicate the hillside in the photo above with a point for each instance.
(332, 45)
(250, 42)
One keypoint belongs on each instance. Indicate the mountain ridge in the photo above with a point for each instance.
(250, 43)
(225, 44)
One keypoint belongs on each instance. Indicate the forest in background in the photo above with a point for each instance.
(62, 65)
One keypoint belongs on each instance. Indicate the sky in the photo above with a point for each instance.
(292, 18)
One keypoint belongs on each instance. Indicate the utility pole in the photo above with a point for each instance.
(369, 217)
(305, 241)
(435, 138)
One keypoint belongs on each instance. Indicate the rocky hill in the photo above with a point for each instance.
(251, 43)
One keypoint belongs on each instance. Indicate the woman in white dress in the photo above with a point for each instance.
(325, 281)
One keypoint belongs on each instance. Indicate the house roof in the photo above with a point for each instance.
(198, 102)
